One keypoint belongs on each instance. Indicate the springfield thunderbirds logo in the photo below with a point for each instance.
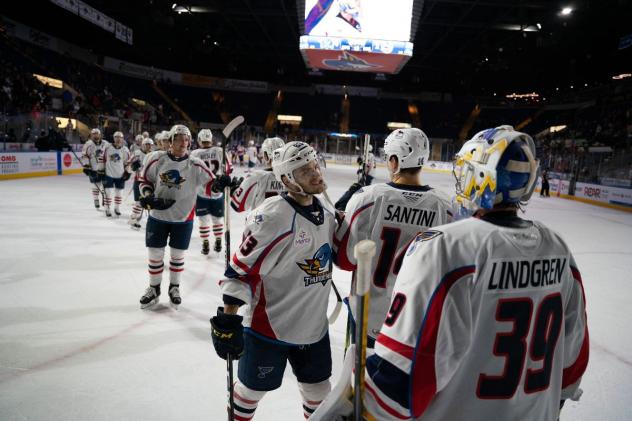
(172, 178)
(317, 268)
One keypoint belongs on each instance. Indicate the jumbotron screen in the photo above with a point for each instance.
(357, 35)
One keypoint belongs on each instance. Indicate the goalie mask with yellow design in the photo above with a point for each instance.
(497, 166)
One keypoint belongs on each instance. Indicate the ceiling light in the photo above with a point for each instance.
(538, 25)
(174, 5)
(567, 11)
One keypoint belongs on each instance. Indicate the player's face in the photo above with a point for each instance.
(118, 141)
(206, 145)
(96, 137)
(146, 147)
(180, 145)
(310, 178)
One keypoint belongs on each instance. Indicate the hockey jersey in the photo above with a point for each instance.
(94, 153)
(486, 323)
(138, 155)
(175, 178)
(391, 215)
(256, 187)
(115, 160)
(252, 154)
(214, 159)
(283, 270)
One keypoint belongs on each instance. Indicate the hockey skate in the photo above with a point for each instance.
(117, 212)
(108, 213)
(97, 206)
(151, 296)
(205, 247)
(174, 296)
(218, 244)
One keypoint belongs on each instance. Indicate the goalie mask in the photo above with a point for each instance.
(410, 146)
(497, 166)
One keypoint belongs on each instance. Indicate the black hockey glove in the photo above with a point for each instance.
(220, 183)
(136, 165)
(87, 170)
(126, 176)
(341, 204)
(235, 183)
(150, 202)
(228, 334)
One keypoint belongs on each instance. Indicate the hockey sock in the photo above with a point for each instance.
(176, 266)
(218, 227)
(136, 210)
(246, 401)
(95, 193)
(156, 265)
(313, 394)
(205, 227)
(117, 198)
(108, 198)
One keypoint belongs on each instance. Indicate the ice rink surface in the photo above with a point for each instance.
(74, 344)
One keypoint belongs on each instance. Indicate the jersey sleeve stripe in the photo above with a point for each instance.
(396, 346)
(242, 204)
(423, 382)
(260, 321)
(341, 255)
(574, 372)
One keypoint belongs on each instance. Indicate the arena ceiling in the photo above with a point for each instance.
(461, 46)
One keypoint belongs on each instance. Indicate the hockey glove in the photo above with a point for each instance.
(150, 202)
(341, 204)
(220, 183)
(235, 183)
(126, 176)
(228, 334)
(136, 165)
(87, 170)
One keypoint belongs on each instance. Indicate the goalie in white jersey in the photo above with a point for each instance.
(390, 214)
(115, 158)
(488, 313)
(94, 168)
(209, 206)
(169, 186)
(282, 271)
(259, 184)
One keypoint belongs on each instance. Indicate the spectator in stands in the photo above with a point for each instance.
(42, 142)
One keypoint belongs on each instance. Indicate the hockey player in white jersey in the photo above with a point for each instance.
(282, 271)
(487, 320)
(209, 205)
(115, 158)
(259, 184)
(390, 214)
(94, 167)
(136, 165)
(169, 186)
(366, 172)
(138, 143)
(252, 155)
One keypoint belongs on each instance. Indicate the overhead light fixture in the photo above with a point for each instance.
(538, 25)
(173, 6)
(622, 76)
(555, 129)
(531, 95)
(289, 119)
(398, 125)
(566, 11)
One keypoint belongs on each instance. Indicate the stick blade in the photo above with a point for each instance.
(232, 125)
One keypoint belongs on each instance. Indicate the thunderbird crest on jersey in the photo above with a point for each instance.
(115, 157)
(423, 236)
(318, 268)
(172, 178)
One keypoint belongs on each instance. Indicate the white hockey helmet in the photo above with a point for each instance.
(496, 166)
(147, 141)
(410, 146)
(370, 148)
(205, 136)
(289, 157)
(270, 144)
(139, 138)
(251, 143)
(145, 134)
(178, 129)
(95, 131)
(118, 134)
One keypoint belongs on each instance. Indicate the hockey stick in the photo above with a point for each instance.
(365, 158)
(334, 314)
(364, 252)
(228, 130)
